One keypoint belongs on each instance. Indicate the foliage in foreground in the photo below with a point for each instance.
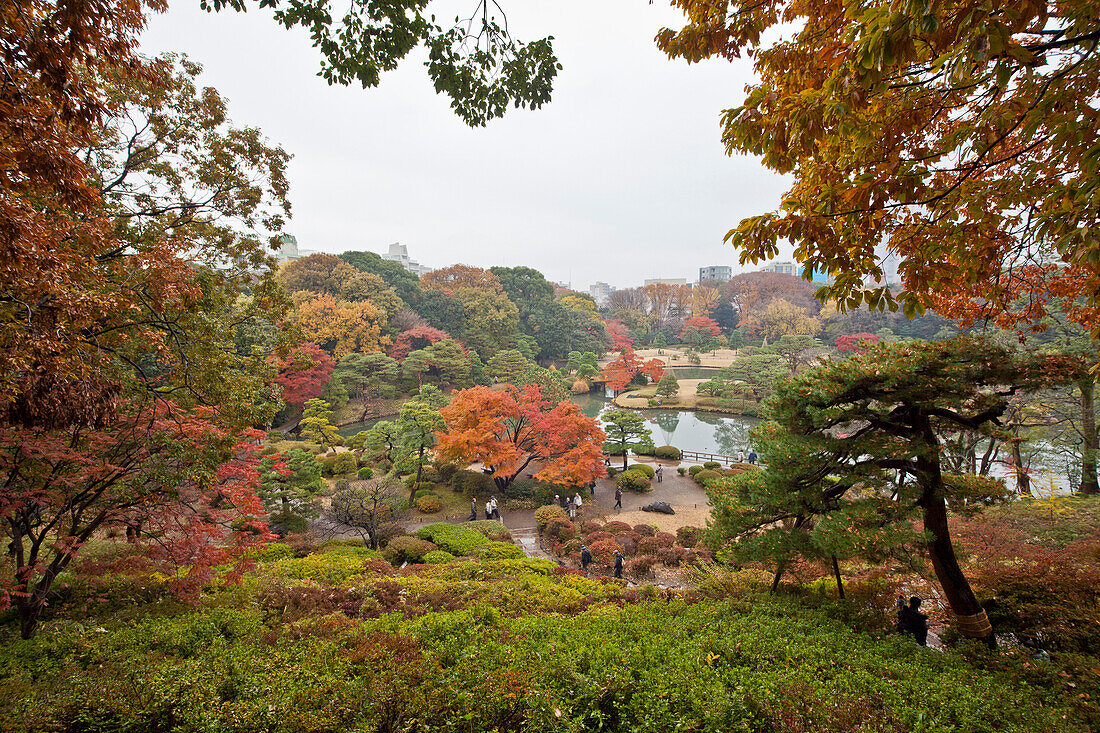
(509, 645)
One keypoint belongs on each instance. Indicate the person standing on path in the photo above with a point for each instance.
(752, 457)
(740, 456)
(496, 512)
(473, 510)
(618, 497)
(586, 557)
(577, 502)
(489, 509)
(618, 564)
(660, 473)
(592, 488)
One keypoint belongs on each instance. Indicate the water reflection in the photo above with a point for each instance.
(706, 432)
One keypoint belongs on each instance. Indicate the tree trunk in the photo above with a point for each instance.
(1023, 481)
(836, 573)
(1089, 447)
(970, 616)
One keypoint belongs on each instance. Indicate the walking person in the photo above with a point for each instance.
(473, 510)
(577, 501)
(572, 509)
(753, 457)
(592, 488)
(496, 512)
(740, 456)
(489, 509)
(660, 473)
(618, 564)
(618, 497)
(586, 557)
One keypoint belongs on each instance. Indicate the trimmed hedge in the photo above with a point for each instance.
(633, 481)
(667, 452)
(455, 539)
(646, 469)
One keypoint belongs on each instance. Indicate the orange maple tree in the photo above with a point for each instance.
(508, 430)
(623, 369)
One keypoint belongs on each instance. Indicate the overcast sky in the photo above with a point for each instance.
(621, 177)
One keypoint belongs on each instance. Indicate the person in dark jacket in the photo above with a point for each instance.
(618, 564)
(618, 498)
(586, 557)
(911, 621)
(752, 457)
(473, 510)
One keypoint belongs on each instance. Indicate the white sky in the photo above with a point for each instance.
(621, 177)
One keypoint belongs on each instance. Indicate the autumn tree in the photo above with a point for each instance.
(450, 279)
(854, 455)
(704, 299)
(628, 365)
(413, 339)
(781, 317)
(509, 430)
(341, 327)
(303, 374)
(857, 342)
(325, 274)
(124, 402)
(626, 430)
(699, 331)
(965, 136)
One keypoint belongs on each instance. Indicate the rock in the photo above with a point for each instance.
(661, 507)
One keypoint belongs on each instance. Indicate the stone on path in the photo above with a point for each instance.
(663, 507)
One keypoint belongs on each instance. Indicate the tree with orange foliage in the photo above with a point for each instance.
(450, 279)
(509, 430)
(702, 324)
(622, 370)
(413, 339)
(340, 327)
(964, 134)
(620, 336)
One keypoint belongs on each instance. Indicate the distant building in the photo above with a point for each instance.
(399, 253)
(601, 293)
(719, 273)
(785, 268)
(667, 281)
(288, 249)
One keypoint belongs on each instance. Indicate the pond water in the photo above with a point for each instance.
(706, 432)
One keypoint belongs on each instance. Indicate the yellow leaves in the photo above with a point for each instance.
(340, 327)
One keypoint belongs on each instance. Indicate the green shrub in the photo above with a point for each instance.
(407, 549)
(642, 450)
(366, 473)
(272, 551)
(694, 470)
(288, 522)
(429, 474)
(500, 551)
(611, 471)
(633, 481)
(268, 450)
(712, 465)
(472, 483)
(438, 557)
(667, 452)
(613, 449)
(456, 539)
(491, 528)
(644, 468)
(429, 504)
(682, 471)
(706, 475)
(447, 471)
(544, 514)
(426, 491)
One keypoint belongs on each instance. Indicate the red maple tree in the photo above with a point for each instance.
(855, 342)
(702, 323)
(413, 339)
(507, 430)
(620, 335)
(623, 369)
(303, 374)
